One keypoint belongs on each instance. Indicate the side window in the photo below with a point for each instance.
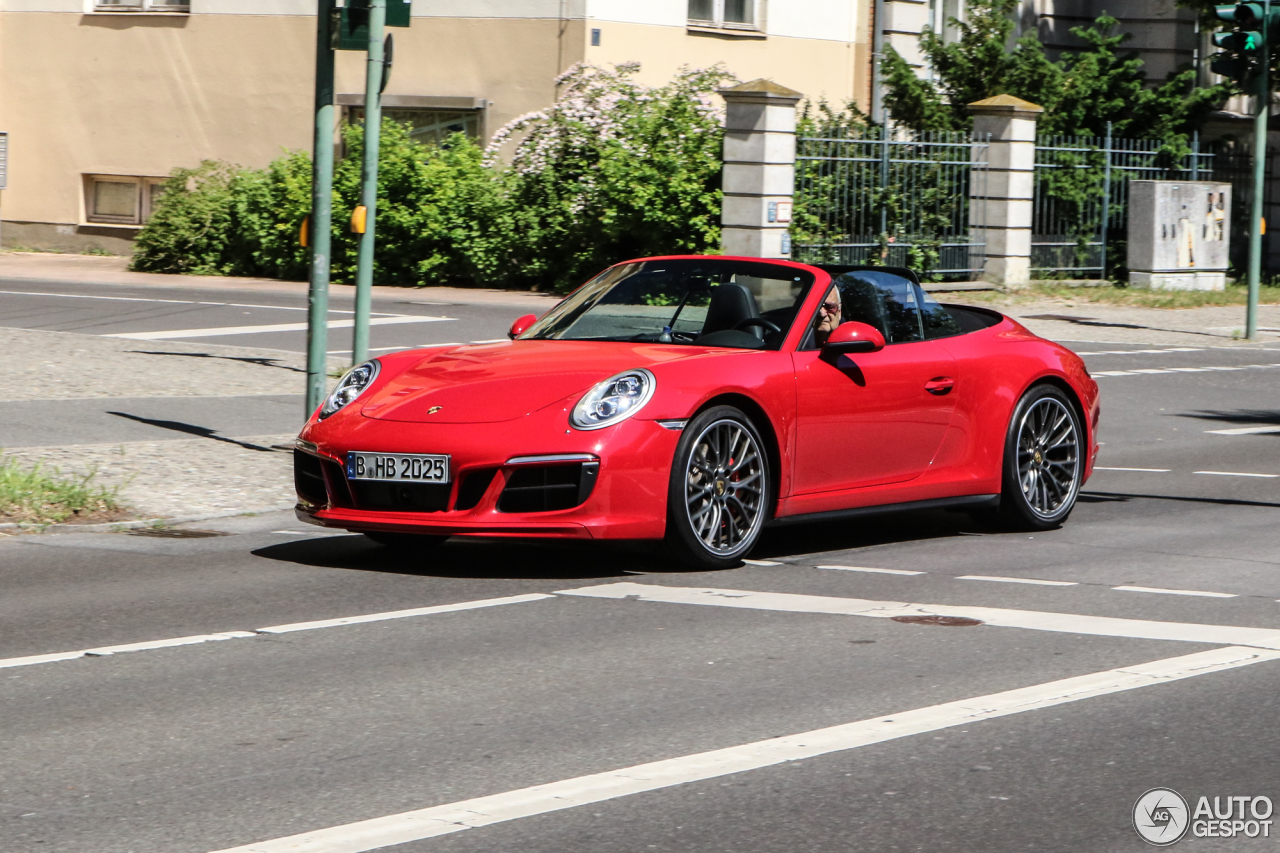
(883, 300)
(937, 321)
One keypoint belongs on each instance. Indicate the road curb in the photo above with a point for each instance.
(113, 526)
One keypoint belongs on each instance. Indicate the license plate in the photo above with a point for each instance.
(397, 467)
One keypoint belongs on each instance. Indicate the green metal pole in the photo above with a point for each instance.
(1106, 201)
(1263, 94)
(321, 211)
(369, 178)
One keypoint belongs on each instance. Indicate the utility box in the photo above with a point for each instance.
(1179, 234)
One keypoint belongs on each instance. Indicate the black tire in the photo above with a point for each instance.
(1043, 462)
(720, 490)
(407, 542)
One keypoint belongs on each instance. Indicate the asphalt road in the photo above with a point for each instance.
(214, 745)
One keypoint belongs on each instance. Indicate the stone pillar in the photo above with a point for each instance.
(1003, 220)
(759, 169)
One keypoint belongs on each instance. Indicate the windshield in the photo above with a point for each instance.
(701, 301)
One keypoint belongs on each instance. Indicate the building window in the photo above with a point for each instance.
(428, 126)
(142, 5)
(121, 199)
(726, 14)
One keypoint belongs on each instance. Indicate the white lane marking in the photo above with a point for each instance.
(34, 659)
(1235, 474)
(493, 341)
(1143, 470)
(1258, 430)
(1149, 370)
(1174, 591)
(1068, 623)
(1141, 351)
(168, 301)
(372, 349)
(402, 614)
(317, 534)
(556, 796)
(166, 644)
(275, 327)
(1015, 580)
(873, 571)
(106, 651)
(761, 563)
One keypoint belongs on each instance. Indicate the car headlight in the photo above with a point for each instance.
(615, 399)
(351, 385)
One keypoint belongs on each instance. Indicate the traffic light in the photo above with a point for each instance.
(351, 22)
(1243, 39)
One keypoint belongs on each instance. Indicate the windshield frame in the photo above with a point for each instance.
(579, 302)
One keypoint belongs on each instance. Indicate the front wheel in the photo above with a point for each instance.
(718, 496)
(1042, 461)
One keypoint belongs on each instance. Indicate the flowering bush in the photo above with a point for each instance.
(612, 170)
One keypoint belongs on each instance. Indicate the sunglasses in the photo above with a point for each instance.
(829, 307)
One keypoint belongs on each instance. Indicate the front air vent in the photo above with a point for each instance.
(545, 488)
(473, 487)
(308, 479)
(400, 497)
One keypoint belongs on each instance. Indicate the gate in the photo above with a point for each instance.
(892, 198)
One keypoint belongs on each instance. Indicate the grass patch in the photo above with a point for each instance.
(1120, 294)
(30, 495)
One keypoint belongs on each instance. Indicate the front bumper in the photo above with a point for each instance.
(626, 498)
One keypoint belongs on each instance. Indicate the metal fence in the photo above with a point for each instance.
(1081, 203)
(890, 197)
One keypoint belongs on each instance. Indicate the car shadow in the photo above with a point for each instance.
(470, 558)
(1243, 417)
(902, 526)
(1125, 497)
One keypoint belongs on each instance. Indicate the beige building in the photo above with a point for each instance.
(102, 98)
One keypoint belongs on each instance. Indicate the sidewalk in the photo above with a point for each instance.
(217, 475)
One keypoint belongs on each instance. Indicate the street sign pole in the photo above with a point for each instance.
(1263, 94)
(369, 189)
(319, 230)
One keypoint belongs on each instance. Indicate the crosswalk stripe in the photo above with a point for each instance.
(446, 819)
(1070, 623)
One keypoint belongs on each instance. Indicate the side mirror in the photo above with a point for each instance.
(854, 337)
(519, 326)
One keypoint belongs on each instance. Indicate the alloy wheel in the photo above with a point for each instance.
(724, 487)
(1048, 457)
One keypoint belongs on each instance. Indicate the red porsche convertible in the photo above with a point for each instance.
(695, 400)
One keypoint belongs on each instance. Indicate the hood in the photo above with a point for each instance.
(489, 383)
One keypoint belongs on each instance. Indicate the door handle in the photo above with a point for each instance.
(940, 386)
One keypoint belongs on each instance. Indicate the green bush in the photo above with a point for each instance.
(612, 170)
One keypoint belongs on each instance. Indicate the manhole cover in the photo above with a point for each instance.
(945, 621)
(175, 533)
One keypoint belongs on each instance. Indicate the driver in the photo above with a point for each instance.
(829, 316)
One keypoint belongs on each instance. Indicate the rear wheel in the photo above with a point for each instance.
(1042, 461)
(718, 497)
(407, 542)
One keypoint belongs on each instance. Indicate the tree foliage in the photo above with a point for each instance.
(612, 170)
(1080, 92)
